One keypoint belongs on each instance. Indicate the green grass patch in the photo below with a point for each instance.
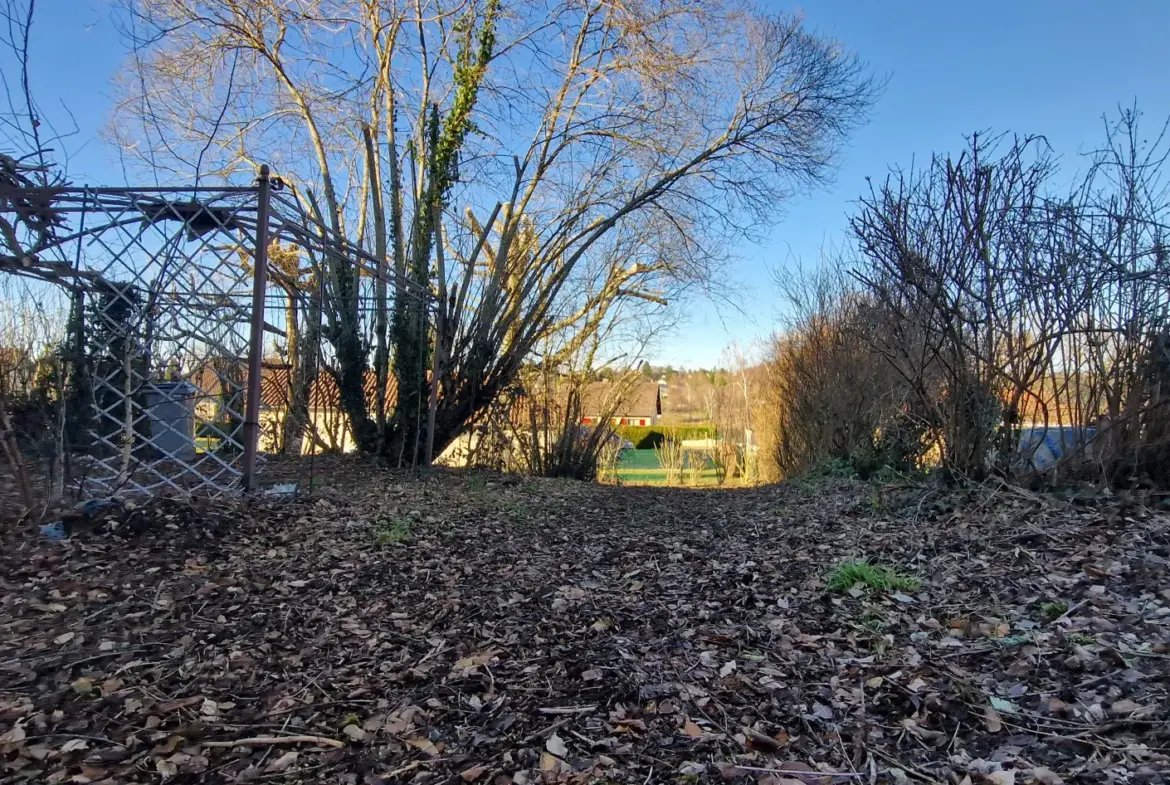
(392, 532)
(643, 467)
(1051, 611)
(872, 576)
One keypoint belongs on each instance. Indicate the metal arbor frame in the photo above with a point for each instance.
(167, 291)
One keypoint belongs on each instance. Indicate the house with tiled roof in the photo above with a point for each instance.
(222, 400)
(640, 404)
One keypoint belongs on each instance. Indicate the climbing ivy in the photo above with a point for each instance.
(444, 139)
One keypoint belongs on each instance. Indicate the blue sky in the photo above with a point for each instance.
(1050, 67)
(1027, 66)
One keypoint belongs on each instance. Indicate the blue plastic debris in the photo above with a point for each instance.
(284, 489)
(1044, 447)
(54, 530)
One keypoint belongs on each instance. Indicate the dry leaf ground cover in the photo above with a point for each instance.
(472, 628)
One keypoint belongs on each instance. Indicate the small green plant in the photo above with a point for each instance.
(351, 719)
(392, 532)
(1051, 611)
(873, 576)
(835, 467)
(873, 623)
(516, 509)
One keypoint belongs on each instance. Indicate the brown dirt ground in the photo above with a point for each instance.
(478, 628)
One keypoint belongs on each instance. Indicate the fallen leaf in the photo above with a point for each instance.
(758, 741)
(426, 746)
(282, 763)
(556, 746)
(692, 730)
(37, 751)
(1122, 707)
(472, 774)
(1046, 776)
(474, 661)
(991, 720)
(354, 732)
(14, 735)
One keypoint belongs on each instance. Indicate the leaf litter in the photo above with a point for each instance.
(552, 631)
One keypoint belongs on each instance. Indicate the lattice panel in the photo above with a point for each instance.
(160, 286)
(166, 321)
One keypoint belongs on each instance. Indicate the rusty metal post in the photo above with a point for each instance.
(256, 344)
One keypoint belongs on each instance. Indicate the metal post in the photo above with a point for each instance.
(256, 343)
(433, 399)
(440, 336)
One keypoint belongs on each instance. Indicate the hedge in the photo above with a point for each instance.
(646, 437)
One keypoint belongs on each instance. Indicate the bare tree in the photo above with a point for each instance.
(645, 133)
(29, 174)
(37, 294)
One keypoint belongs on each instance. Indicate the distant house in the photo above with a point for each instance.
(328, 425)
(638, 405)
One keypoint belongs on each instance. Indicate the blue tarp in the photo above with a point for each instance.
(1046, 445)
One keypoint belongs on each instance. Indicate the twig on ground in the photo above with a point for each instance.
(568, 709)
(402, 770)
(906, 767)
(803, 773)
(262, 740)
(531, 737)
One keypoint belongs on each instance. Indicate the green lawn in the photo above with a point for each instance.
(642, 467)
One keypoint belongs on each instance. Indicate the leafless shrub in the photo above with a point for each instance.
(552, 423)
(726, 460)
(828, 391)
(987, 315)
(671, 458)
(954, 255)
